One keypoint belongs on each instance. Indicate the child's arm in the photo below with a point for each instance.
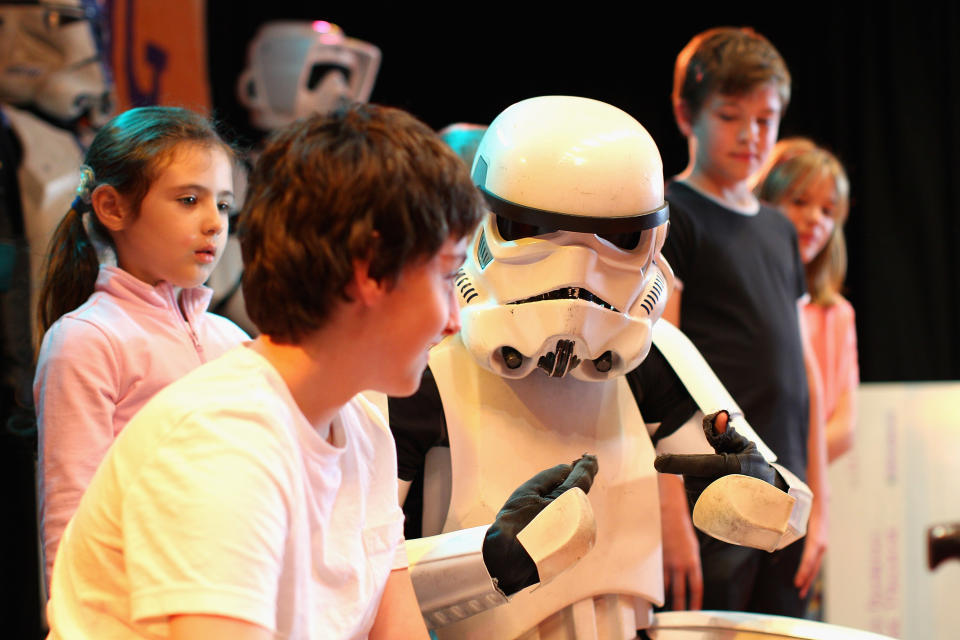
(840, 427)
(842, 423)
(75, 391)
(682, 573)
(816, 540)
(204, 627)
(399, 613)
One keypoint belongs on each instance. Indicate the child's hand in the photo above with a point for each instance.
(814, 546)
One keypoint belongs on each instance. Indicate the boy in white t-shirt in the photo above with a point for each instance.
(257, 496)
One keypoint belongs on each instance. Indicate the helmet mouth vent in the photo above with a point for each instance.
(561, 360)
(657, 288)
(569, 293)
(467, 290)
(484, 257)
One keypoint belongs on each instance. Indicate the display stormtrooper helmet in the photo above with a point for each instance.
(295, 69)
(52, 59)
(565, 274)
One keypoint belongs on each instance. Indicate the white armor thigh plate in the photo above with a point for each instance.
(504, 431)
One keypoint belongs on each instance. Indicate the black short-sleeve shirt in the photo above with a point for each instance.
(742, 277)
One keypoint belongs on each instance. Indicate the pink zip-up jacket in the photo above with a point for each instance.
(98, 365)
(833, 336)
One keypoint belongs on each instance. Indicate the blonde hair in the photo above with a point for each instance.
(795, 164)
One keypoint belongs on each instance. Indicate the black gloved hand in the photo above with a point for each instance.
(734, 454)
(506, 559)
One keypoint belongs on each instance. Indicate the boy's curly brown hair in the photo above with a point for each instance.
(365, 182)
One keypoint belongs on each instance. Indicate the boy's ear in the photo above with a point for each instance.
(366, 289)
(683, 116)
(110, 207)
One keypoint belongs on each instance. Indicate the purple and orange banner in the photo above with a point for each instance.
(158, 53)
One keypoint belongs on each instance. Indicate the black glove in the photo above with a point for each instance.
(507, 561)
(734, 454)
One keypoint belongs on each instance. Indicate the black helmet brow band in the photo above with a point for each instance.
(570, 222)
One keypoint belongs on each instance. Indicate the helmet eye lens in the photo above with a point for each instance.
(625, 241)
(513, 230)
(319, 71)
(62, 16)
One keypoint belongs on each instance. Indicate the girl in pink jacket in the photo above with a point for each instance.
(809, 185)
(156, 188)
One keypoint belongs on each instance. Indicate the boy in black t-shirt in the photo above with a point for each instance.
(739, 282)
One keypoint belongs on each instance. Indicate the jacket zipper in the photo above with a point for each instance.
(182, 316)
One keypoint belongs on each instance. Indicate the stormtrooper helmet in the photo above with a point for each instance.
(564, 274)
(297, 68)
(52, 59)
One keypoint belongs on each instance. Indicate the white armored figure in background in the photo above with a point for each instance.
(54, 92)
(559, 294)
(298, 68)
(294, 68)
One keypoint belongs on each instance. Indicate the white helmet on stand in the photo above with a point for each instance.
(297, 68)
(52, 58)
(565, 272)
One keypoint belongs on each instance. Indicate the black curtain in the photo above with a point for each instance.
(876, 83)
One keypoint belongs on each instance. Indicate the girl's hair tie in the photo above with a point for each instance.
(84, 190)
(79, 205)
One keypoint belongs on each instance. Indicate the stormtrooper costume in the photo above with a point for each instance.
(559, 294)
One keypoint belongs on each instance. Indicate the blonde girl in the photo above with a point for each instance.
(809, 185)
(156, 187)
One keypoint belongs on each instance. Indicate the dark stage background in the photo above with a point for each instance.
(877, 83)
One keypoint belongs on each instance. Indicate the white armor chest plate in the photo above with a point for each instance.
(504, 431)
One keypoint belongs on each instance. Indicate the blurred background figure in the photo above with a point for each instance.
(809, 185)
(294, 68)
(463, 138)
(52, 61)
(298, 68)
(55, 90)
